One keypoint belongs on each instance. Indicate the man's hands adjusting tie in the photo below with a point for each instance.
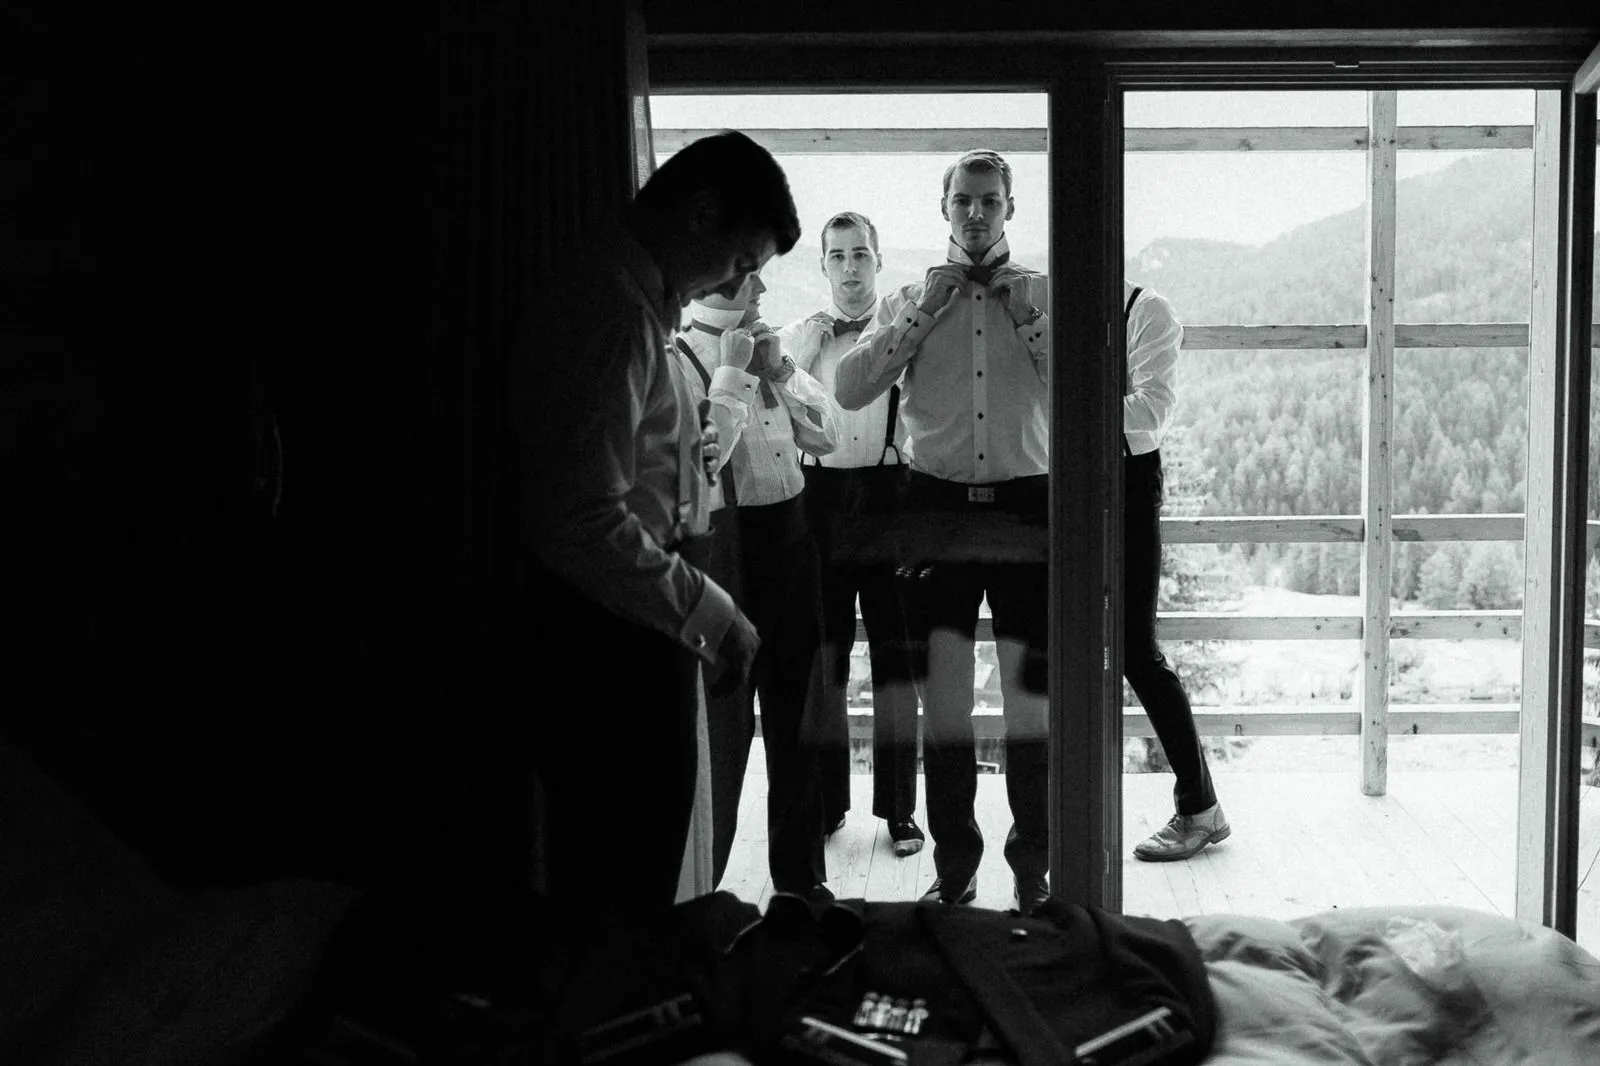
(999, 281)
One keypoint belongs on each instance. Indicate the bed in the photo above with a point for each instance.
(104, 964)
(1398, 985)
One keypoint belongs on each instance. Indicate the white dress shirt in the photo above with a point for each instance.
(975, 394)
(1154, 339)
(816, 350)
(608, 450)
(764, 461)
(733, 394)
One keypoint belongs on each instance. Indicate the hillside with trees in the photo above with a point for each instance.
(1279, 433)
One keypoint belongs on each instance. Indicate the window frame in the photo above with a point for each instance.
(1086, 74)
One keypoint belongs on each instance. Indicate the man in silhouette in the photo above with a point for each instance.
(612, 492)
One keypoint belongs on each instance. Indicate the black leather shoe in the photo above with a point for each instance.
(907, 837)
(1030, 892)
(936, 892)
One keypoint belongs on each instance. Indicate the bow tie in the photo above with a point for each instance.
(841, 326)
(983, 273)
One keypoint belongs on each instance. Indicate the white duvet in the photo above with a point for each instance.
(1397, 986)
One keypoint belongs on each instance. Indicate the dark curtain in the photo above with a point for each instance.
(541, 109)
(224, 449)
(262, 272)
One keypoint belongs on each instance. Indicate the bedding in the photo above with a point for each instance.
(1397, 986)
(104, 963)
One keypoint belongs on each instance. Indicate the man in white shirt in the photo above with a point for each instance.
(968, 347)
(764, 553)
(611, 489)
(848, 494)
(1154, 339)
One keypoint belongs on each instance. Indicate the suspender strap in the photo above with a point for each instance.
(888, 425)
(1127, 313)
(1127, 372)
(729, 495)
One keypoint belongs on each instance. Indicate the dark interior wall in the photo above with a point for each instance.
(281, 239)
(218, 240)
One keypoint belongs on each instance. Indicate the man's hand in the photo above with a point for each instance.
(942, 282)
(735, 655)
(737, 348)
(1004, 288)
(768, 360)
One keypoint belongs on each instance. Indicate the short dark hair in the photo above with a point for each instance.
(979, 160)
(749, 185)
(845, 220)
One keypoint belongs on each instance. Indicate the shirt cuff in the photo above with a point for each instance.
(708, 623)
(733, 379)
(740, 383)
(912, 326)
(1035, 333)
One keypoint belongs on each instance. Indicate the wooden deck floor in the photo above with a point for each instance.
(1301, 843)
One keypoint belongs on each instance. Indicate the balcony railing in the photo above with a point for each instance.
(1375, 340)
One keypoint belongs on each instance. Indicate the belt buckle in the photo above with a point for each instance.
(980, 493)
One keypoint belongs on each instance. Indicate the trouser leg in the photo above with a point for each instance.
(730, 717)
(1018, 604)
(838, 598)
(645, 724)
(894, 696)
(1149, 674)
(785, 594)
(942, 608)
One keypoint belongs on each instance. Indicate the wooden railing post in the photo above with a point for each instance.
(1377, 458)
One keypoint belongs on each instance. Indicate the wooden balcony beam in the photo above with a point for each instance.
(879, 140)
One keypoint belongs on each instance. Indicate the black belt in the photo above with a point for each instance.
(1021, 494)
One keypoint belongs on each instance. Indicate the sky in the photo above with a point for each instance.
(1248, 197)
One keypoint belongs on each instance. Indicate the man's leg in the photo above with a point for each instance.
(730, 718)
(942, 609)
(1018, 603)
(838, 595)
(647, 740)
(1149, 674)
(730, 727)
(789, 593)
(894, 696)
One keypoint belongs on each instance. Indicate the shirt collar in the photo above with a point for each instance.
(833, 309)
(721, 317)
(957, 254)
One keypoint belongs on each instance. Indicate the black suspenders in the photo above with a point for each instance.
(888, 427)
(730, 495)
